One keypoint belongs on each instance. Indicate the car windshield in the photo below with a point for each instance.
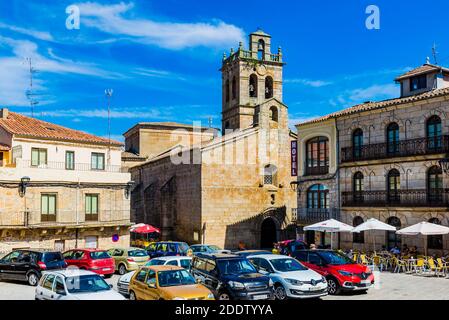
(287, 265)
(235, 266)
(99, 255)
(155, 262)
(86, 283)
(335, 258)
(183, 247)
(52, 257)
(175, 278)
(137, 253)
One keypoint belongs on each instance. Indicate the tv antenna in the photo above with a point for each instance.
(435, 53)
(31, 95)
(108, 93)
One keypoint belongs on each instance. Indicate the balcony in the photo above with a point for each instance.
(76, 167)
(316, 171)
(400, 198)
(404, 148)
(314, 215)
(246, 54)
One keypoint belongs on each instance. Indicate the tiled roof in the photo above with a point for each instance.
(21, 125)
(132, 156)
(381, 104)
(168, 125)
(4, 147)
(426, 68)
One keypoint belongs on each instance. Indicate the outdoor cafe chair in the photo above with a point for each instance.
(436, 269)
(442, 265)
(418, 265)
(399, 265)
(379, 262)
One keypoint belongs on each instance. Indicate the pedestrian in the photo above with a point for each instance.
(275, 248)
(242, 246)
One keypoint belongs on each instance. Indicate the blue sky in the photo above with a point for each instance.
(162, 57)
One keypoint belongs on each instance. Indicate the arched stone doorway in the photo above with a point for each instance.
(268, 233)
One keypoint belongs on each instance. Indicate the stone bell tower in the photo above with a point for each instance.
(250, 78)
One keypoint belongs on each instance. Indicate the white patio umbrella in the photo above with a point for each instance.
(426, 229)
(331, 226)
(373, 224)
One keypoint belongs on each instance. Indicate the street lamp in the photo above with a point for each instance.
(24, 181)
(444, 165)
(129, 188)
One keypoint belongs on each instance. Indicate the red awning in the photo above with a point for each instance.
(144, 228)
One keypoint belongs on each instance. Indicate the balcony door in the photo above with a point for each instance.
(393, 239)
(317, 156)
(357, 186)
(393, 139)
(393, 186)
(318, 197)
(357, 143)
(434, 185)
(433, 129)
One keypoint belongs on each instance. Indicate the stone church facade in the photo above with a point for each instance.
(231, 188)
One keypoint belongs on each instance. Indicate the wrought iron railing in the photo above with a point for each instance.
(313, 215)
(314, 171)
(75, 167)
(403, 148)
(400, 198)
(241, 53)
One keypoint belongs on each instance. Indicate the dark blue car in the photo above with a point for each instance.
(167, 249)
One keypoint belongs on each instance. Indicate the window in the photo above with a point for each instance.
(435, 185)
(91, 242)
(38, 157)
(357, 143)
(393, 138)
(435, 242)
(358, 187)
(393, 185)
(48, 207)
(261, 50)
(97, 162)
(358, 237)
(317, 156)
(433, 130)
(70, 160)
(151, 279)
(268, 87)
(274, 114)
(91, 207)
(59, 285)
(253, 86)
(185, 263)
(141, 275)
(394, 239)
(234, 88)
(227, 88)
(318, 197)
(48, 282)
(269, 174)
(417, 83)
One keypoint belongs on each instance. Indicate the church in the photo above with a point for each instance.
(201, 187)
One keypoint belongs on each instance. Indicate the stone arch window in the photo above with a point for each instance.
(261, 50)
(317, 156)
(318, 197)
(433, 132)
(268, 87)
(393, 186)
(234, 88)
(394, 239)
(358, 237)
(270, 174)
(435, 242)
(357, 143)
(434, 185)
(274, 116)
(227, 88)
(253, 85)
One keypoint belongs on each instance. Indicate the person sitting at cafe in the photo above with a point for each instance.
(405, 250)
(413, 251)
(395, 250)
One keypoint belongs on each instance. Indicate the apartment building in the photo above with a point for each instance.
(60, 188)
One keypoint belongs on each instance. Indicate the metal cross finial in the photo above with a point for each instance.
(434, 53)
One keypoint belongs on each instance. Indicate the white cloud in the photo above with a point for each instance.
(40, 35)
(137, 113)
(153, 73)
(171, 35)
(374, 92)
(308, 82)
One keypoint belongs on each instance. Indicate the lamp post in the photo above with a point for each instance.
(24, 182)
(129, 188)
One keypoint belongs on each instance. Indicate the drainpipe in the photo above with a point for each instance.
(77, 202)
(338, 173)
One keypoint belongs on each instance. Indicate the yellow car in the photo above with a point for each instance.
(166, 283)
(128, 259)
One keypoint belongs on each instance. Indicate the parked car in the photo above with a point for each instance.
(291, 279)
(98, 261)
(167, 248)
(207, 248)
(231, 277)
(72, 284)
(180, 261)
(28, 264)
(246, 253)
(289, 246)
(128, 259)
(166, 283)
(341, 272)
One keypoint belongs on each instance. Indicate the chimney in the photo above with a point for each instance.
(4, 113)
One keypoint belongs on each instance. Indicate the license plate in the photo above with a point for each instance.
(106, 269)
(314, 288)
(365, 282)
(260, 297)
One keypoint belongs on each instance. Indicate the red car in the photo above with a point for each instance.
(98, 261)
(341, 272)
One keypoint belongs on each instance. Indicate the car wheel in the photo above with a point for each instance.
(224, 296)
(121, 269)
(32, 279)
(132, 295)
(332, 286)
(280, 293)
